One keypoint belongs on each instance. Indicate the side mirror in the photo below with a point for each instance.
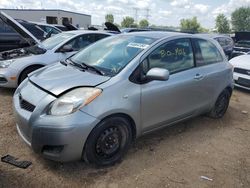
(67, 48)
(158, 74)
(49, 34)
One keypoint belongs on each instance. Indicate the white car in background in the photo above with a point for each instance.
(15, 65)
(241, 71)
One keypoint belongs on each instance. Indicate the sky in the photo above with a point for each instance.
(160, 12)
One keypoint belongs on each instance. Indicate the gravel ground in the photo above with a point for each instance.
(176, 156)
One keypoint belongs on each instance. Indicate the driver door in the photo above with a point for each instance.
(164, 102)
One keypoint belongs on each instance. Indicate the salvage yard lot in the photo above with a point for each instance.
(176, 156)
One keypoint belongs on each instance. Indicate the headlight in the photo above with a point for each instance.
(73, 101)
(6, 64)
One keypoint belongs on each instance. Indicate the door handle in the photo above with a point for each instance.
(198, 77)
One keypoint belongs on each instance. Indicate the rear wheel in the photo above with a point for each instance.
(108, 142)
(221, 105)
(26, 71)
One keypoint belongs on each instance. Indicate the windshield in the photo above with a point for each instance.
(53, 41)
(243, 43)
(112, 54)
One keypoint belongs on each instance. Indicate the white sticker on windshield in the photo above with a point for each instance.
(138, 45)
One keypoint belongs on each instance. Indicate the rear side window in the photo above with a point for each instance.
(100, 36)
(48, 29)
(175, 56)
(206, 53)
(82, 41)
(222, 41)
(229, 41)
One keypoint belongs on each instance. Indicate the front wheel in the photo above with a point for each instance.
(221, 105)
(108, 142)
(25, 73)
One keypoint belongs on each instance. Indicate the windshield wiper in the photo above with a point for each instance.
(63, 62)
(92, 68)
(85, 66)
(76, 64)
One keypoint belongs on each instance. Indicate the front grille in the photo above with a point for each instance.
(242, 71)
(243, 82)
(3, 80)
(242, 49)
(25, 104)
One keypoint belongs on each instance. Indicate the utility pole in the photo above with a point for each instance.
(136, 14)
(147, 13)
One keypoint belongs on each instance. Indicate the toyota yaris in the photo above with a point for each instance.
(96, 103)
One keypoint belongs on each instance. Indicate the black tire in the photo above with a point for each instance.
(26, 71)
(221, 105)
(108, 142)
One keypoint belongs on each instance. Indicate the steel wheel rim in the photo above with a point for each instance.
(108, 143)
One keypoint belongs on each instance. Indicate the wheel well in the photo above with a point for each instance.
(31, 66)
(230, 90)
(126, 116)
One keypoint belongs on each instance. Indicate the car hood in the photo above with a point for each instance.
(58, 78)
(242, 61)
(24, 33)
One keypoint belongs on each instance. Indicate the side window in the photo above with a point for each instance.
(5, 28)
(100, 36)
(82, 41)
(222, 41)
(175, 56)
(2, 29)
(206, 53)
(229, 41)
(51, 29)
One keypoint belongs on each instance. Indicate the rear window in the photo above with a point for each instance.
(206, 53)
(35, 30)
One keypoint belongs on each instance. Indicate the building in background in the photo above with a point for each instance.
(50, 16)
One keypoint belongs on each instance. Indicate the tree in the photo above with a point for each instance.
(240, 19)
(128, 22)
(222, 24)
(191, 25)
(144, 23)
(109, 18)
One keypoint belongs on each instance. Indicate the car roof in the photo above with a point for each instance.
(212, 35)
(79, 32)
(41, 23)
(156, 34)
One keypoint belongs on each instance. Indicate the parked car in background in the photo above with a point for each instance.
(225, 41)
(129, 30)
(48, 28)
(34, 29)
(62, 27)
(241, 71)
(242, 44)
(15, 68)
(96, 103)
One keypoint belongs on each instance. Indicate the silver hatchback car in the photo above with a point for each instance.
(96, 103)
